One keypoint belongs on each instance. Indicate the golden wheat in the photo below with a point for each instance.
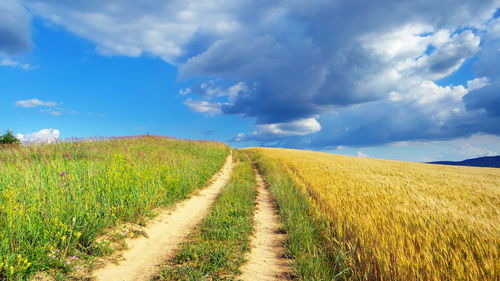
(401, 220)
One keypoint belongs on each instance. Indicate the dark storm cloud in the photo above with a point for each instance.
(488, 65)
(15, 35)
(487, 98)
(308, 60)
(389, 122)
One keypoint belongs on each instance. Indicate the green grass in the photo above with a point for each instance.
(56, 199)
(307, 232)
(216, 250)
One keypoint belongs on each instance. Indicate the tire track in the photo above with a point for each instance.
(265, 260)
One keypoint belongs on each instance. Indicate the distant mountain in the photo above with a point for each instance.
(488, 161)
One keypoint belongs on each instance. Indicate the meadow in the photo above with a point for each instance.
(56, 200)
(386, 220)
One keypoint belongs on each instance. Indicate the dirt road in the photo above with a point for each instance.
(143, 256)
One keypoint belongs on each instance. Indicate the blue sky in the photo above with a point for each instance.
(101, 95)
(420, 83)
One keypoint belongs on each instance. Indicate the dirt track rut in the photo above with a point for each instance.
(265, 260)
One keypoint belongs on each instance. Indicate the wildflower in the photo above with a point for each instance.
(62, 174)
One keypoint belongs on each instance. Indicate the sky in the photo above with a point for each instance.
(404, 80)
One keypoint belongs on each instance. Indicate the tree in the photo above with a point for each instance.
(9, 138)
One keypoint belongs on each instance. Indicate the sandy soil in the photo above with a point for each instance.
(143, 256)
(265, 260)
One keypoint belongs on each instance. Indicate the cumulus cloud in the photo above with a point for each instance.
(42, 136)
(313, 73)
(35, 103)
(267, 132)
(15, 30)
(449, 56)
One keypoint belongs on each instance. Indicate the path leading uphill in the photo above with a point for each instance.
(143, 256)
(265, 261)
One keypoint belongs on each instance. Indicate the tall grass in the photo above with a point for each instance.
(216, 250)
(403, 221)
(56, 199)
(306, 243)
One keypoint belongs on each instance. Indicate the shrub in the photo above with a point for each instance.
(9, 138)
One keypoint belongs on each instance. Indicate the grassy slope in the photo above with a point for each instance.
(399, 220)
(216, 250)
(55, 200)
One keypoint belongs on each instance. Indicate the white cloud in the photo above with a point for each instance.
(14, 63)
(295, 128)
(400, 43)
(426, 92)
(404, 66)
(448, 57)
(361, 154)
(34, 103)
(477, 83)
(206, 107)
(130, 28)
(184, 91)
(236, 89)
(212, 89)
(469, 150)
(428, 151)
(52, 112)
(42, 136)
(299, 127)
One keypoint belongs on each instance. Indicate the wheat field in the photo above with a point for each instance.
(400, 220)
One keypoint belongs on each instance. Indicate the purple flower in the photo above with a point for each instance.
(62, 174)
